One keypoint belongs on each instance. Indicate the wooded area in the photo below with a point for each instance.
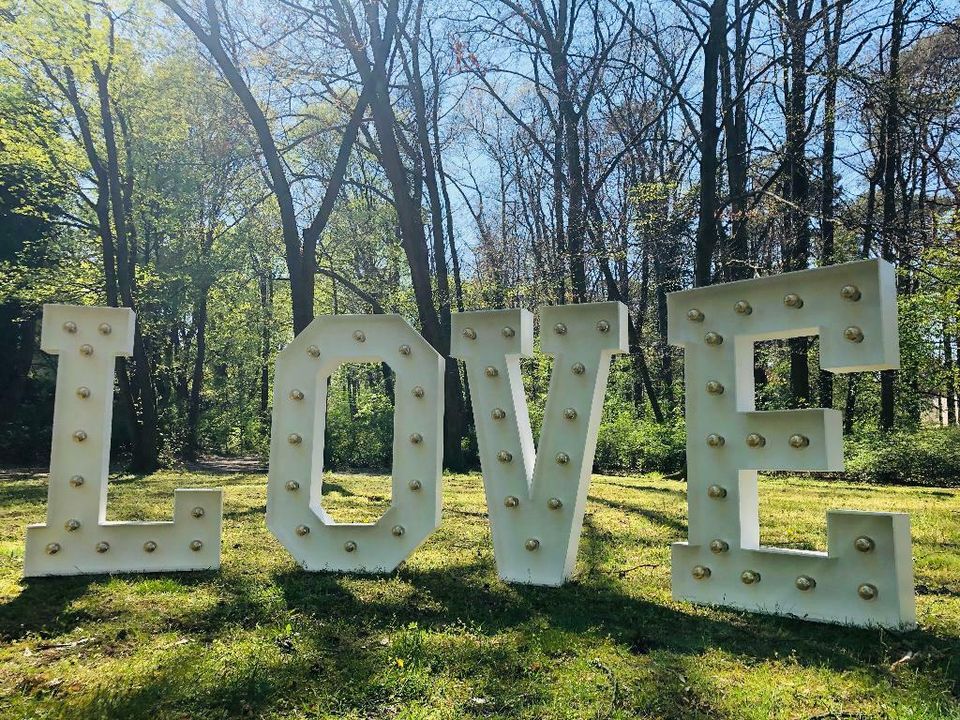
(232, 169)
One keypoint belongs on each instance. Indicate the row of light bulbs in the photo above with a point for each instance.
(863, 544)
(512, 501)
(756, 440)
(804, 583)
(791, 300)
(358, 335)
(103, 546)
(603, 326)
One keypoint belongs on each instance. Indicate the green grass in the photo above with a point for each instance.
(443, 638)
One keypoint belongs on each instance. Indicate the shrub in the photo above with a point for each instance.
(929, 456)
(628, 442)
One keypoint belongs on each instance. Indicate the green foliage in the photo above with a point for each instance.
(929, 456)
(631, 442)
(359, 419)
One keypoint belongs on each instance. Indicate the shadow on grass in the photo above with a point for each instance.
(41, 607)
(339, 654)
(658, 518)
(640, 487)
(465, 595)
(22, 489)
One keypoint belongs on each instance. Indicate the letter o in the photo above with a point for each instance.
(295, 513)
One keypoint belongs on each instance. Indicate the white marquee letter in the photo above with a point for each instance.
(536, 499)
(866, 577)
(77, 538)
(295, 511)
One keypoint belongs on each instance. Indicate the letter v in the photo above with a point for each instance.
(536, 499)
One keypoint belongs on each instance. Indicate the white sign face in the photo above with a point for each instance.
(866, 577)
(536, 498)
(77, 538)
(295, 511)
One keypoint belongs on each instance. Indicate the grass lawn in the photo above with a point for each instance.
(443, 638)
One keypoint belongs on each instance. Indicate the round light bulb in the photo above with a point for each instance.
(853, 334)
(719, 546)
(850, 292)
(805, 583)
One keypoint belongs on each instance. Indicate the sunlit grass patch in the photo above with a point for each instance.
(442, 637)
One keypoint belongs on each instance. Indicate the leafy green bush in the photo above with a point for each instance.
(630, 442)
(929, 456)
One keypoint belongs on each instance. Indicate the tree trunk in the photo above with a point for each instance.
(831, 33)
(707, 232)
(736, 254)
(798, 183)
(141, 401)
(949, 370)
(191, 445)
(891, 160)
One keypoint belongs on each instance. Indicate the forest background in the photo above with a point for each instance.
(232, 169)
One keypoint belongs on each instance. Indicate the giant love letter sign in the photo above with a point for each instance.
(77, 538)
(295, 511)
(866, 577)
(536, 499)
